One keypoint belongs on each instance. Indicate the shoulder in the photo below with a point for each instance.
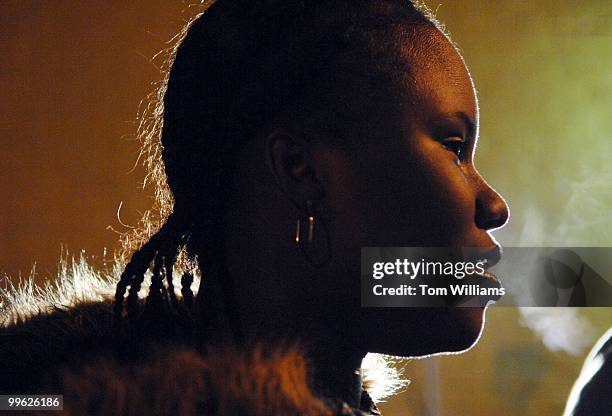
(32, 348)
(47, 326)
(66, 324)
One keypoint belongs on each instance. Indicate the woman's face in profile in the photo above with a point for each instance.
(417, 186)
(409, 181)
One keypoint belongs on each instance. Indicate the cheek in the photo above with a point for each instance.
(345, 200)
(417, 197)
(443, 201)
(448, 197)
(403, 195)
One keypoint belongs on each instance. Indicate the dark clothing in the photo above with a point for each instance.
(592, 393)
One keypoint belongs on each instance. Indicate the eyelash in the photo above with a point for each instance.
(457, 145)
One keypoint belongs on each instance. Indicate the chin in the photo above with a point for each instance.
(425, 331)
(466, 325)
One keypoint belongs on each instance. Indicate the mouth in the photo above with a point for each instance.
(487, 275)
(490, 256)
(488, 286)
(486, 279)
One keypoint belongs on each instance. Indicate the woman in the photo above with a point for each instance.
(294, 133)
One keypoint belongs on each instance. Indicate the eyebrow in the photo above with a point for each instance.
(469, 123)
(443, 121)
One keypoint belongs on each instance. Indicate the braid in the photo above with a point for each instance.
(156, 290)
(132, 276)
(169, 260)
(186, 281)
(162, 249)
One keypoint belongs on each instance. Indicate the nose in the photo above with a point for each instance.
(491, 209)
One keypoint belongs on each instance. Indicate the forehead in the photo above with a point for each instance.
(439, 82)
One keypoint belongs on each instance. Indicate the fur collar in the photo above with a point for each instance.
(66, 324)
(182, 382)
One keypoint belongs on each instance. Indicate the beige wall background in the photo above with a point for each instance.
(72, 76)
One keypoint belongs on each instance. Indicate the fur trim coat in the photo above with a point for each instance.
(58, 339)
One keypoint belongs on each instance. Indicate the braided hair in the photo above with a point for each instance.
(240, 66)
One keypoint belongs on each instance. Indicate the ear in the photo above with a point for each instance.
(291, 163)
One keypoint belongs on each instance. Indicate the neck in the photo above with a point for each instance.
(337, 374)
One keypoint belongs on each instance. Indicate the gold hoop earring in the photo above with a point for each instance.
(315, 246)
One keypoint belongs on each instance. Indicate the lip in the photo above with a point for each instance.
(488, 276)
(491, 256)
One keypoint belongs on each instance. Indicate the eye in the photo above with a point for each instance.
(455, 144)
